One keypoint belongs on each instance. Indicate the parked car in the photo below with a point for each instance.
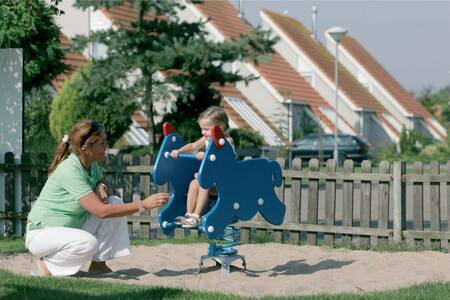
(322, 146)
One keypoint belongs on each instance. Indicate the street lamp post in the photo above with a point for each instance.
(337, 34)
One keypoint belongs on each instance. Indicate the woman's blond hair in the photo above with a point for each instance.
(85, 132)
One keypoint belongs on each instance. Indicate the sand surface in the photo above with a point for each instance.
(272, 269)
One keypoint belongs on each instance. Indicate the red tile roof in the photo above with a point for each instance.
(122, 15)
(301, 37)
(406, 100)
(276, 71)
(73, 59)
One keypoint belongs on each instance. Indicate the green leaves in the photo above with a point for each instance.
(94, 93)
(29, 24)
(159, 42)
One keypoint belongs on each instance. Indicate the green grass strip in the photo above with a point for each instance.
(18, 287)
(12, 246)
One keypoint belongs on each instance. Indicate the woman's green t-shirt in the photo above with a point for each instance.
(58, 203)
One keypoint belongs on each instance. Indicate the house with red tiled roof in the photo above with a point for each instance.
(73, 59)
(316, 65)
(241, 112)
(385, 88)
(284, 97)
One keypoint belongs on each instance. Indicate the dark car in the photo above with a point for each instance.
(322, 146)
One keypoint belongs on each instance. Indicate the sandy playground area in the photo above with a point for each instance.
(272, 269)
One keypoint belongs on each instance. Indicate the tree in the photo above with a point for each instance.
(159, 42)
(106, 103)
(29, 25)
(246, 138)
(437, 102)
(37, 132)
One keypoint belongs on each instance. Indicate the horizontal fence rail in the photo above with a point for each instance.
(347, 206)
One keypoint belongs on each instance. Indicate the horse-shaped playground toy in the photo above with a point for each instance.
(243, 187)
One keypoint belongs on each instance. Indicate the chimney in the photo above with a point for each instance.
(314, 11)
(241, 9)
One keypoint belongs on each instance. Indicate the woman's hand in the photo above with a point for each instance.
(156, 200)
(174, 153)
(102, 192)
(200, 155)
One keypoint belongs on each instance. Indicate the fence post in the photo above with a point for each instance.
(295, 203)
(399, 200)
(313, 201)
(10, 192)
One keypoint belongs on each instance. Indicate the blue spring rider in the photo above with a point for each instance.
(243, 187)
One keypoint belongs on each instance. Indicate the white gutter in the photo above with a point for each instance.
(377, 84)
(311, 64)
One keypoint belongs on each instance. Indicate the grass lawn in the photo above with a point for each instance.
(17, 287)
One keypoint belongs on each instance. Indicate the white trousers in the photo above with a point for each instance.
(65, 250)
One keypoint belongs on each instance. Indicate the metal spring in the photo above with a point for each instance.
(227, 241)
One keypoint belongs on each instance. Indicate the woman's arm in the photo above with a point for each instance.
(93, 204)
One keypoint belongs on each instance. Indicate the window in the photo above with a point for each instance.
(303, 122)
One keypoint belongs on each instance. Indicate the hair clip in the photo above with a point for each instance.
(65, 138)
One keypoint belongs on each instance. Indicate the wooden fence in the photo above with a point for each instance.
(352, 207)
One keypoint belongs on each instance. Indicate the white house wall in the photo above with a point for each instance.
(329, 95)
(262, 98)
(99, 21)
(257, 91)
(379, 137)
(367, 126)
(372, 85)
(293, 55)
(377, 93)
(191, 14)
(74, 21)
(375, 89)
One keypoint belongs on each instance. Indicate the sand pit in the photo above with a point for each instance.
(272, 269)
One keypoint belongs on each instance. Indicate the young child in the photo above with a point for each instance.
(197, 197)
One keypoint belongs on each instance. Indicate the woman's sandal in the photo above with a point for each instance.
(180, 219)
(192, 222)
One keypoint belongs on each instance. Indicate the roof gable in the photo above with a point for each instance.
(276, 69)
(407, 101)
(315, 52)
(74, 60)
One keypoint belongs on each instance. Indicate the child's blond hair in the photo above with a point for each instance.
(216, 115)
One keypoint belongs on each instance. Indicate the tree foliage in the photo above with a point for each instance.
(415, 147)
(36, 128)
(29, 25)
(437, 102)
(106, 103)
(245, 138)
(158, 42)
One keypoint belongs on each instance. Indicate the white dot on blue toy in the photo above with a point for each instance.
(244, 187)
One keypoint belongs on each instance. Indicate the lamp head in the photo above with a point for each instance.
(337, 33)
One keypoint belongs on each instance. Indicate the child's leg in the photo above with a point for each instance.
(192, 196)
(202, 200)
